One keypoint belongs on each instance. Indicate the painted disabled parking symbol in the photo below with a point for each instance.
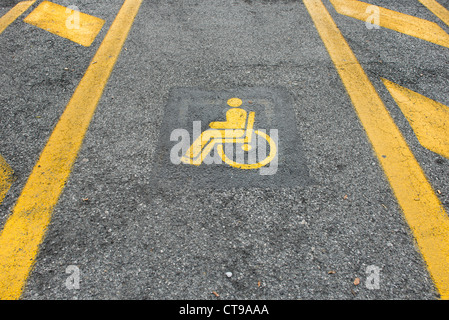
(240, 137)
(234, 141)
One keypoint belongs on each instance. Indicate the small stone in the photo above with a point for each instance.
(228, 274)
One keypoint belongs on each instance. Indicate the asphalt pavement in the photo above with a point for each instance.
(138, 226)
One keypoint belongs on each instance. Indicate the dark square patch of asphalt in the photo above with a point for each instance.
(193, 109)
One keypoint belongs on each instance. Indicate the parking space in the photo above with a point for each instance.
(225, 150)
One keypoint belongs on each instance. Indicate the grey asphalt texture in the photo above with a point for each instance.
(136, 239)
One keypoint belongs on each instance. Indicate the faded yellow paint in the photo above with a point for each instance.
(235, 118)
(421, 207)
(235, 102)
(25, 228)
(6, 178)
(410, 25)
(65, 22)
(14, 13)
(250, 166)
(236, 129)
(437, 9)
(428, 118)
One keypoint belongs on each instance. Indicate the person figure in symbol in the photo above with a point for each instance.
(235, 117)
(233, 127)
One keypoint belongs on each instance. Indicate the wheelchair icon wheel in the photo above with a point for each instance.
(264, 162)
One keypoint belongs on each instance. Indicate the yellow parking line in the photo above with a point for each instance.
(437, 9)
(14, 13)
(400, 22)
(25, 228)
(428, 118)
(56, 19)
(6, 178)
(422, 209)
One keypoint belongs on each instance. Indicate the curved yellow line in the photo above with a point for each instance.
(267, 160)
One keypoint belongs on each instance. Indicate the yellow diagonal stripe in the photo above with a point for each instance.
(64, 22)
(410, 25)
(422, 209)
(428, 118)
(437, 9)
(6, 178)
(14, 13)
(25, 228)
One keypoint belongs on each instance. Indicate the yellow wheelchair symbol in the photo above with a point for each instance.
(238, 128)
